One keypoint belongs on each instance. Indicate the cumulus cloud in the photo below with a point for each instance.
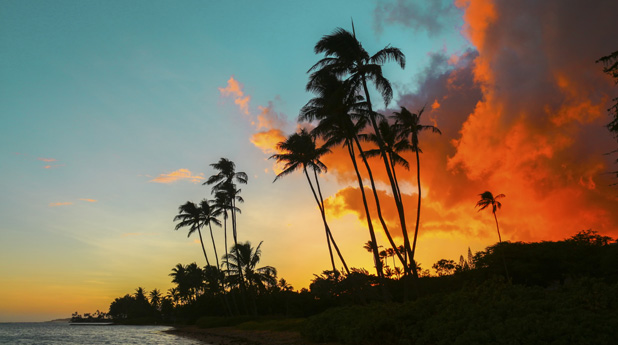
(521, 114)
(180, 174)
(269, 125)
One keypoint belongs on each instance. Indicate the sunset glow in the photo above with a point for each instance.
(135, 111)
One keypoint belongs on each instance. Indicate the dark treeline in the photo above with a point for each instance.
(548, 268)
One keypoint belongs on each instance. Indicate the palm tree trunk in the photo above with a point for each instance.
(202, 243)
(379, 209)
(400, 211)
(497, 228)
(372, 235)
(418, 212)
(214, 246)
(330, 233)
(326, 228)
(243, 290)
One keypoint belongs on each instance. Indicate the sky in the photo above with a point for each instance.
(113, 111)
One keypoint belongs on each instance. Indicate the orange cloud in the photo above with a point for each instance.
(522, 115)
(267, 140)
(180, 174)
(89, 200)
(54, 204)
(234, 89)
(47, 159)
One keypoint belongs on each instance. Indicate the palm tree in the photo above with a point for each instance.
(300, 152)
(393, 145)
(336, 108)
(155, 298)
(195, 279)
(488, 199)
(173, 295)
(179, 277)
(408, 124)
(222, 205)
(224, 188)
(224, 181)
(244, 258)
(346, 58)
(209, 214)
(190, 215)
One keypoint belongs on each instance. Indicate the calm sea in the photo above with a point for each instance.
(63, 333)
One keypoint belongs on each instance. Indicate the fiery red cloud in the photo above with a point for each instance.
(521, 114)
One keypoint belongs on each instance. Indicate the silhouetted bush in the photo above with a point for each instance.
(495, 312)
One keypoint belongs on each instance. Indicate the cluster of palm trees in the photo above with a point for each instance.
(238, 267)
(343, 115)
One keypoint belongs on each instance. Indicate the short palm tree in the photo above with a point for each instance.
(244, 258)
(190, 215)
(155, 298)
(299, 151)
(179, 277)
(408, 125)
(488, 199)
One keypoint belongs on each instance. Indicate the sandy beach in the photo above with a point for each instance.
(232, 336)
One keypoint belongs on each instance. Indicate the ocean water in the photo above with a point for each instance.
(63, 333)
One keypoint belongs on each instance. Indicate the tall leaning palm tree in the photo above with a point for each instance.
(346, 58)
(337, 110)
(488, 199)
(225, 181)
(190, 215)
(299, 151)
(408, 125)
(225, 190)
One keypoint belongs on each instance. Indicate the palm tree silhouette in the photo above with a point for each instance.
(209, 217)
(190, 215)
(179, 277)
(244, 258)
(346, 58)
(337, 108)
(408, 124)
(488, 199)
(224, 188)
(223, 181)
(393, 145)
(300, 152)
(155, 298)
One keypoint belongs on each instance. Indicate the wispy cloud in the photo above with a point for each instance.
(55, 204)
(234, 90)
(47, 159)
(180, 174)
(53, 166)
(89, 200)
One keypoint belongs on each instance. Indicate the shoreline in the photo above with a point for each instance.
(234, 336)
